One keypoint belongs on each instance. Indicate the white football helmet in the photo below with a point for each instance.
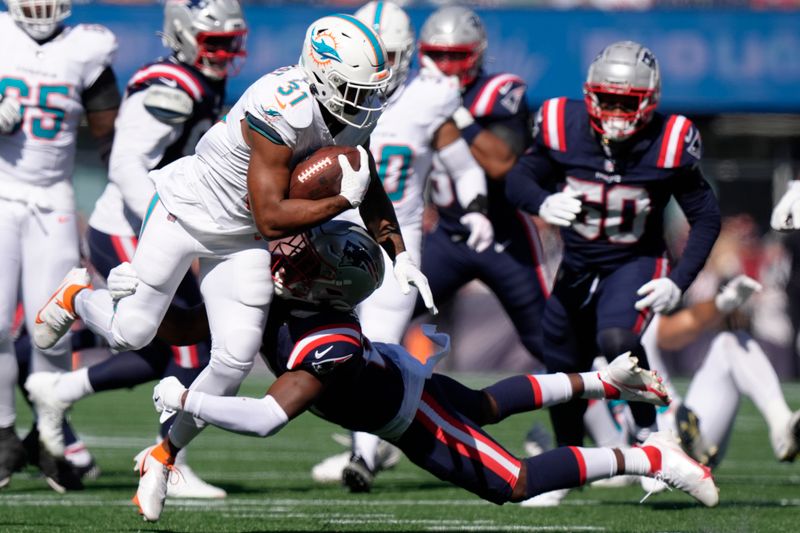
(39, 18)
(207, 34)
(393, 25)
(336, 264)
(622, 90)
(346, 67)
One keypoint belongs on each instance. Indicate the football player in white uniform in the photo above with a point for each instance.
(416, 125)
(222, 203)
(55, 74)
(175, 100)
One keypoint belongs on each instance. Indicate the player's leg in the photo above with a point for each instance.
(620, 325)
(452, 447)
(237, 291)
(12, 456)
(568, 343)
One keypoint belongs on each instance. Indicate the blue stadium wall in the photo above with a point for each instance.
(712, 61)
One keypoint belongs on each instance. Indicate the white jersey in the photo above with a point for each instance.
(49, 80)
(208, 190)
(402, 143)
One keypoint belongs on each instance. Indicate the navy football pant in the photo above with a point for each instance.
(590, 314)
(514, 274)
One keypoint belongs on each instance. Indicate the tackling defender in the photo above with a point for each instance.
(314, 344)
(415, 127)
(55, 74)
(175, 100)
(618, 162)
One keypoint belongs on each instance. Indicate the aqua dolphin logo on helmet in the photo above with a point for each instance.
(325, 51)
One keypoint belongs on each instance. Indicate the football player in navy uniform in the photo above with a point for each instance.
(494, 120)
(314, 345)
(604, 171)
(175, 100)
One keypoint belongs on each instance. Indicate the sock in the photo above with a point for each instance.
(365, 445)
(519, 394)
(77, 454)
(72, 386)
(642, 460)
(128, 369)
(568, 467)
(594, 387)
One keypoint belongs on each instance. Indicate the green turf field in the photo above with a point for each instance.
(270, 488)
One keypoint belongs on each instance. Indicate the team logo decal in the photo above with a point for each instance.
(323, 47)
(355, 255)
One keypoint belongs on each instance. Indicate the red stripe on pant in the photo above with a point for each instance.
(581, 463)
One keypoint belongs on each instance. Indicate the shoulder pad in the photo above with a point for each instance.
(96, 41)
(284, 108)
(680, 144)
(168, 75)
(320, 350)
(500, 95)
(549, 128)
(168, 104)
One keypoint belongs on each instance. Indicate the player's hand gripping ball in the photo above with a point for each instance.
(320, 174)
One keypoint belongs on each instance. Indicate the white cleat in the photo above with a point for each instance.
(633, 382)
(154, 468)
(680, 471)
(184, 483)
(56, 316)
(41, 387)
(786, 442)
(546, 499)
(617, 482)
(330, 470)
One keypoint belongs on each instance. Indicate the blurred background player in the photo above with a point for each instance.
(175, 100)
(55, 74)
(619, 162)
(735, 366)
(322, 361)
(415, 125)
(494, 120)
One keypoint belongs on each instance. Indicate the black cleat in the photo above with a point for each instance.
(58, 472)
(357, 476)
(12, 455)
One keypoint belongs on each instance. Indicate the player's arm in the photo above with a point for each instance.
(678, 330)
(469, 182)
(495, 154)
(378, 215)
(786, 214)
(699, 204)
(268, 174)
(101, 101)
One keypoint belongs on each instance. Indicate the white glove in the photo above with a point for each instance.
(10, 114)
(355, 182)
(561, 208)
(406, 273)
(735, 293)
(122, 281)
(481, 233)
(786, 214)
(167, 397)
(661, 295)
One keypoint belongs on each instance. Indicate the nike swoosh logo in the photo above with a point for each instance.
(169, 82)
(318, 354)
(280, 104)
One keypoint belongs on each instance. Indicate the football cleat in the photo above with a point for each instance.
(183, 481)
(786, 442)
(41, 387)
(680, 471)
(12, 455)
(632, 382)
(154, 466)
(357, 476)
(57, 471)
(546, 499)
(330, 470)
(56, 316)
(692, 441)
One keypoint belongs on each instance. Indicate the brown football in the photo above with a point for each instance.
(319, 175)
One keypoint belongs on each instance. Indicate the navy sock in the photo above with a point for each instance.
(129, 369)
(513, 395)
(556, 469)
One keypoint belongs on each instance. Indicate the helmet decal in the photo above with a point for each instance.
(323, 49)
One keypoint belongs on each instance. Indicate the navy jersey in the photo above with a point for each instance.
(328, 344)
(624, 188)
(498, 103)
(207, 95)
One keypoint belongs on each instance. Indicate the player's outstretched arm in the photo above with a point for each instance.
(275, 215)
(678, 330)
(290, 395)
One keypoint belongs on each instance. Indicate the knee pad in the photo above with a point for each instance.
(253, 277)
(238, 349)
(134, 333)
(614, 341)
